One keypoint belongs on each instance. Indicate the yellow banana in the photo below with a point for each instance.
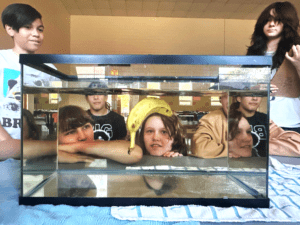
(140, 112)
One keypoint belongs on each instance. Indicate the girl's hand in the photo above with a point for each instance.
(263, 87)
(295, 58)
(172, 154)
(273, 89)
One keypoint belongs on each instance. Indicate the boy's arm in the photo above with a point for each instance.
(114, 150)
(9, 147)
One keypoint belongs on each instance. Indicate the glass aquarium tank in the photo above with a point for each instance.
(220, 105)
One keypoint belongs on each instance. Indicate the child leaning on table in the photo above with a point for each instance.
(76, 136)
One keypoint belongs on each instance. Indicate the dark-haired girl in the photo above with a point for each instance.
(276, 34)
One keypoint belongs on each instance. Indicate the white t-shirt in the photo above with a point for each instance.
(10, 89)
(285, 112)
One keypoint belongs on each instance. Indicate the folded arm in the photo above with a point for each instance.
(9, 147)
(114, 150)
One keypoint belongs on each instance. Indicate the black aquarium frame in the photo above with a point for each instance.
(37, 61)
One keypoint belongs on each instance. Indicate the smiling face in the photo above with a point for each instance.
(29, 38)
(241, 144)
(273, 28)
(83, 133)
(156, 138)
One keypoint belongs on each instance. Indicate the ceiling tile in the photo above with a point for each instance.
(164, 13)
(296, 3)
(186, 1)
(101, 4)
(179, 14)
(69, 4)
(224, 1)
(215, 7)
(103, 12)
(268, 2)
(193, 14)
(252, 16)
(199, 7)
(238, 15)
(117, 5)
(166, 6)
(209, 14)
(91, 12)
(182, 6)
(259, 9)
(149, 13)
(230, 7)
(118, 12)
(233, 9)
(222, 15)
(134, 12)
(150, 5)
(236, 1)
(134, 5)
(85, 4)
(255, 2)
(74, 12)
(247, 8)
(202, 1)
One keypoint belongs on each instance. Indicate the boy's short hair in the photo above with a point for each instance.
(18, 15)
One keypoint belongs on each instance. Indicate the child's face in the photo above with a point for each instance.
(96, 102)
(84, 133)
(156, 137)
(249, 103)
(273, 29)
(29, 38)
(241, 145)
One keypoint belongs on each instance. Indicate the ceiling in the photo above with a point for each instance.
(224, 9)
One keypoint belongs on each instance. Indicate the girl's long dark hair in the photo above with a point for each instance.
(286, 13)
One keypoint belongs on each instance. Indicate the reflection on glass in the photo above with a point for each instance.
(247, 142)
(248, 120)
(153, 186)
(210, 139)
(239, 138)
(160, 134)
(75, 126)
(161, 185)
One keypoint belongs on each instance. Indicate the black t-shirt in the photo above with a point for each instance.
(259, 126)
(109, 127)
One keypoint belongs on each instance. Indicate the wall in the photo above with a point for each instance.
(137, 35)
